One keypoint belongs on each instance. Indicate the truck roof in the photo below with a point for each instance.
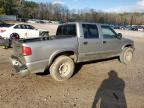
(79, 23)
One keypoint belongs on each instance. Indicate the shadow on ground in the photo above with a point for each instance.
(78, 66)
(110, 94)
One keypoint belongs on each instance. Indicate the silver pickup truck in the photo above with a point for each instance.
(73, 43)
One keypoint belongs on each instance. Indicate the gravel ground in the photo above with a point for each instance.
(105, 83)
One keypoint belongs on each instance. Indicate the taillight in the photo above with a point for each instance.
(2, 30)
(26, 51)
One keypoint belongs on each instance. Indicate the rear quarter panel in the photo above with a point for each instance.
(44, 51)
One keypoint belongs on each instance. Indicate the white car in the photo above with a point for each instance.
(21, 30)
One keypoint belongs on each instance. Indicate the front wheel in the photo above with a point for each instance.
(62, 68)
(126, 55)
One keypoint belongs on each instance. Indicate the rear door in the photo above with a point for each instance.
(111, 43)
(90, 44)
(20, 30)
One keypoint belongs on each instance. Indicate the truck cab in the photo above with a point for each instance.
(95, 41)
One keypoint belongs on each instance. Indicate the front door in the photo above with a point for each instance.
(111, 43)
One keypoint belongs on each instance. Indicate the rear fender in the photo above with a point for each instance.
(71, 54)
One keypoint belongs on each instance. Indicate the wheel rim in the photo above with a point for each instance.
(64, 69)
(128, 56)
(15, 37)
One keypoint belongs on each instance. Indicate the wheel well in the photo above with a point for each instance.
(129, 45)
(70, 54)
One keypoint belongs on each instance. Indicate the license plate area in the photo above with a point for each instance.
(16, 63)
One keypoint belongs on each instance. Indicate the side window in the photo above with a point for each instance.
(108, 33)
(22, 26)
(29, 27)
(66, 30)
(17, 27)
(90, 31)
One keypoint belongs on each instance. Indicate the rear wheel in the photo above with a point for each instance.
(62, 68)
(13, 37)
(127, 55)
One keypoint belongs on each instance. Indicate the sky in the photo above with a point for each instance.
(102, 5)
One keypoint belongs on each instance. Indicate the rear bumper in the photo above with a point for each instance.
(18, 66)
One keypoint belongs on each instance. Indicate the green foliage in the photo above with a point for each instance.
(8, 6)
(27, 9)
(2, 11)
(29, 4)
(48, 11)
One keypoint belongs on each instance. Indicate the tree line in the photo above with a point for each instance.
(58, 12)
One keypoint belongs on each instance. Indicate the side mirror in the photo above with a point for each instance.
(119, 35)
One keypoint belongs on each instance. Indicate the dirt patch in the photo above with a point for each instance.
(92, 83)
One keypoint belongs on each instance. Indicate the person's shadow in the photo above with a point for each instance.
(110, 94)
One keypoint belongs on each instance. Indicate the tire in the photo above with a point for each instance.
(62, 68)
(126, 55)
(13, 36)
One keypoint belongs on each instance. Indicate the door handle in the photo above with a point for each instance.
(85, 43)
(104, 42)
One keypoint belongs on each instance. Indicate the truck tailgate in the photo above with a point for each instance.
(17, 46)
(17, 51)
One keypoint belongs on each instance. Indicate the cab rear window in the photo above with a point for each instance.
(67, 30)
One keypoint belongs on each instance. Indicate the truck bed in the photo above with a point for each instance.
(34, 39)
(41, 39)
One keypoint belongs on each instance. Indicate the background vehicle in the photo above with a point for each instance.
(31, 21)
(74, 42)
(17, 31)
(140, 28)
